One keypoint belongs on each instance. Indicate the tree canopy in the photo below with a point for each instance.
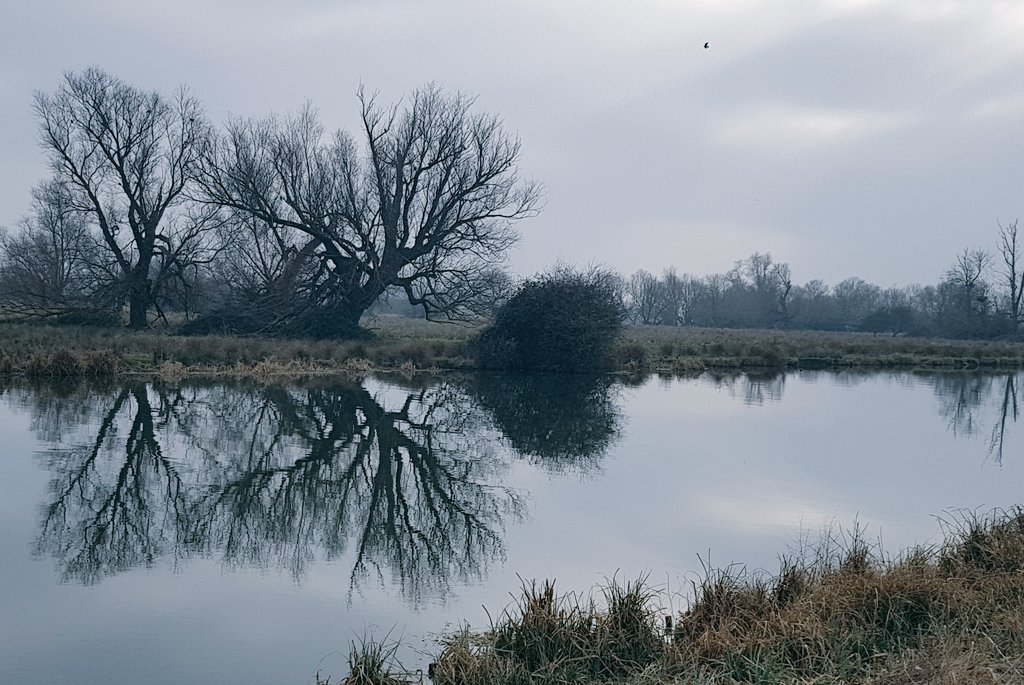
(422, 202)
(126, 158)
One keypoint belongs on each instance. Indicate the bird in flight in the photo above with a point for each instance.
(707, 45)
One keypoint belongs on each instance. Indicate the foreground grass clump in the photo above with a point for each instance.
(842, 613)
(372, 662)
(567, 638)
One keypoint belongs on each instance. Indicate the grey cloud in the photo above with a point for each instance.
(844, 136)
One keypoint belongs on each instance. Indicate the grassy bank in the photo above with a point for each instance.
(661, 348)
(840, 613)
(70, 351)
(414, 344)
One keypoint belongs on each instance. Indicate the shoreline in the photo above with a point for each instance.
(411, 346)
(838, 611)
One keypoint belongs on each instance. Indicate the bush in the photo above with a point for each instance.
(564, 320)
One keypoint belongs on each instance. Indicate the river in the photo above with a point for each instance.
(212, 532)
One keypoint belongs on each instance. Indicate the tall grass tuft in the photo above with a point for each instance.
(627, 635)
(549, 638)
(371, 663)
(987, 544)
(545, 632)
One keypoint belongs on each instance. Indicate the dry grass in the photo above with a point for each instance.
(694, 349)
(399, 343)
(842, 613)
(372, 662)
(40, 350)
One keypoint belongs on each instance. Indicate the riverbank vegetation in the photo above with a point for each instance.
(396, 343)
(34, 349)
(840, 611)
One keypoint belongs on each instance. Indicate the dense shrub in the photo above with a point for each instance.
(564, 320)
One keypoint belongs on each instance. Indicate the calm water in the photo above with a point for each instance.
(211, 533)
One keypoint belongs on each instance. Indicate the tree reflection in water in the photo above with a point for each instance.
(405, 483)
(966, 398)
(117, 500)
(754, 388)
(274, 476)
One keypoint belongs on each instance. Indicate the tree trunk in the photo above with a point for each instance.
(138, 304)
(332, 321)
(347, 324)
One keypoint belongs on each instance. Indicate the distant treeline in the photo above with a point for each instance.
(978, 296)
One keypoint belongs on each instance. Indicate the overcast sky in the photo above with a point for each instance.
(874, 138)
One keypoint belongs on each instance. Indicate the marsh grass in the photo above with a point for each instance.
(547, 637)
(41, 350)
(372, 662)
(838, 612)
(397, 343)
(690, 349)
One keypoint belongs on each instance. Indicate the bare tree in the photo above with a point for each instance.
(644, 297)
(967, 276)
(855, 299)
(424, 204)
(758, 269)
(968, 271)
(48, 265)
(894, 315)
(762, 287)
(680, 297)
(673, 293)
(813, 305)
(1013, 273)
(128, 157)
(783, 277)
(714, 288)
(258, 268)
